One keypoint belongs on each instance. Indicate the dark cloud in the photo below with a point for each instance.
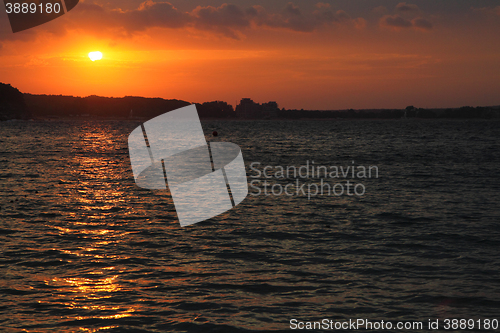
(103, 22)
(260, 17)
(397, 22)
(225, 16)
(379, 10)
(342, 15)
(322, 5)
(292, 18)
(360, 23)
(228, 19)
(404, 7)
(407, 19)
(487, 10)
(292, 9)
(327, 16)
(153, 14)
(423, 24)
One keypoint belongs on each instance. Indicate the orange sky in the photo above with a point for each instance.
(327, 55)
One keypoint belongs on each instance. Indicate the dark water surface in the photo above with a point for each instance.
(83, 249)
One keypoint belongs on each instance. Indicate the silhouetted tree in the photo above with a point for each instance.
(12, 104)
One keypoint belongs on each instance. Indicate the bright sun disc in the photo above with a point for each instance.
(95, 56)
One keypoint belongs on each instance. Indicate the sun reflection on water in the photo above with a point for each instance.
(90, 231)
(91, 287)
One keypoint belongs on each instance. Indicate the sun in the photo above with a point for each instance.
(95, 55)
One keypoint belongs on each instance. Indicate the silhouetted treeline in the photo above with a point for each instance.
(57, 105)
(468, 112)
(465, 112)
(14, 104)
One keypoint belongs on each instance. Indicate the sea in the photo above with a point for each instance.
(84, 249)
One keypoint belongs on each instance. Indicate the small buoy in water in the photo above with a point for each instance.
(214, 133)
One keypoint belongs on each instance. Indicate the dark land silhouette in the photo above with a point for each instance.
(16, 105)
(12, 103)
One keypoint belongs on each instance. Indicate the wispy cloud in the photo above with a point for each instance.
(407, 16)
(488, 10)
(404, 7)
(422, 24)
(396, 22)
(228, 20)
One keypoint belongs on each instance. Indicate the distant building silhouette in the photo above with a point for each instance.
(248, 109)
(270, 109)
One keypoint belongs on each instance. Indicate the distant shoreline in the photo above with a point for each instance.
(141, 120)
(17, 105)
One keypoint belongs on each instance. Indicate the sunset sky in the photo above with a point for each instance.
(302, 54)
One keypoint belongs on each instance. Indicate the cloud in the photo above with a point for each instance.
(487, 10)
(379, 10)
(360, 23)
(155, 14)
(102, 21)
(404, 7)
(422, 24)
(342, 15)
(407, 19)
(292, 9)
(322, 5)
(397, 23)
(228, 20)
(291, 17)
